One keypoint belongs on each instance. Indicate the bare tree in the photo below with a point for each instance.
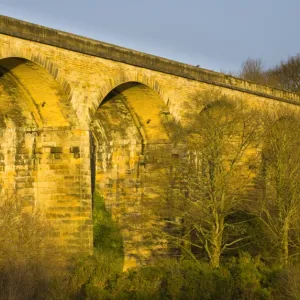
(252, 69)
(215, 176)
(279, 202)
(286, 75)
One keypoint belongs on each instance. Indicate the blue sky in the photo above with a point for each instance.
(215, 34)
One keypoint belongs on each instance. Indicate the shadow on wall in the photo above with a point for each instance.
(8, 64)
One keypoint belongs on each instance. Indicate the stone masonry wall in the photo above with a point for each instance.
(50, 170)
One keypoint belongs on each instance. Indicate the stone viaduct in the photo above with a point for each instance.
(79, 114)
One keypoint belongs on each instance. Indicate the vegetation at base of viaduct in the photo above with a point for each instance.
(228, 218)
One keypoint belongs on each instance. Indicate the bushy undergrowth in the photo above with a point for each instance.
(31, 267)
(242, 278)
(34, 266)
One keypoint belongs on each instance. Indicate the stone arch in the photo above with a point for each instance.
(215, 110)
(40, 60)
(132, 113)
(131, 140)
(123, 78)
(42, 96)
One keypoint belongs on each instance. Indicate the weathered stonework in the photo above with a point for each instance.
(78, 114)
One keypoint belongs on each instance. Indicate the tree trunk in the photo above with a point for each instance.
(285, 244)
(186, 237)
(216, 242)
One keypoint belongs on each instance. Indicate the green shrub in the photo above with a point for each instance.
(248, 278)
(107, 236)
(167, 280)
